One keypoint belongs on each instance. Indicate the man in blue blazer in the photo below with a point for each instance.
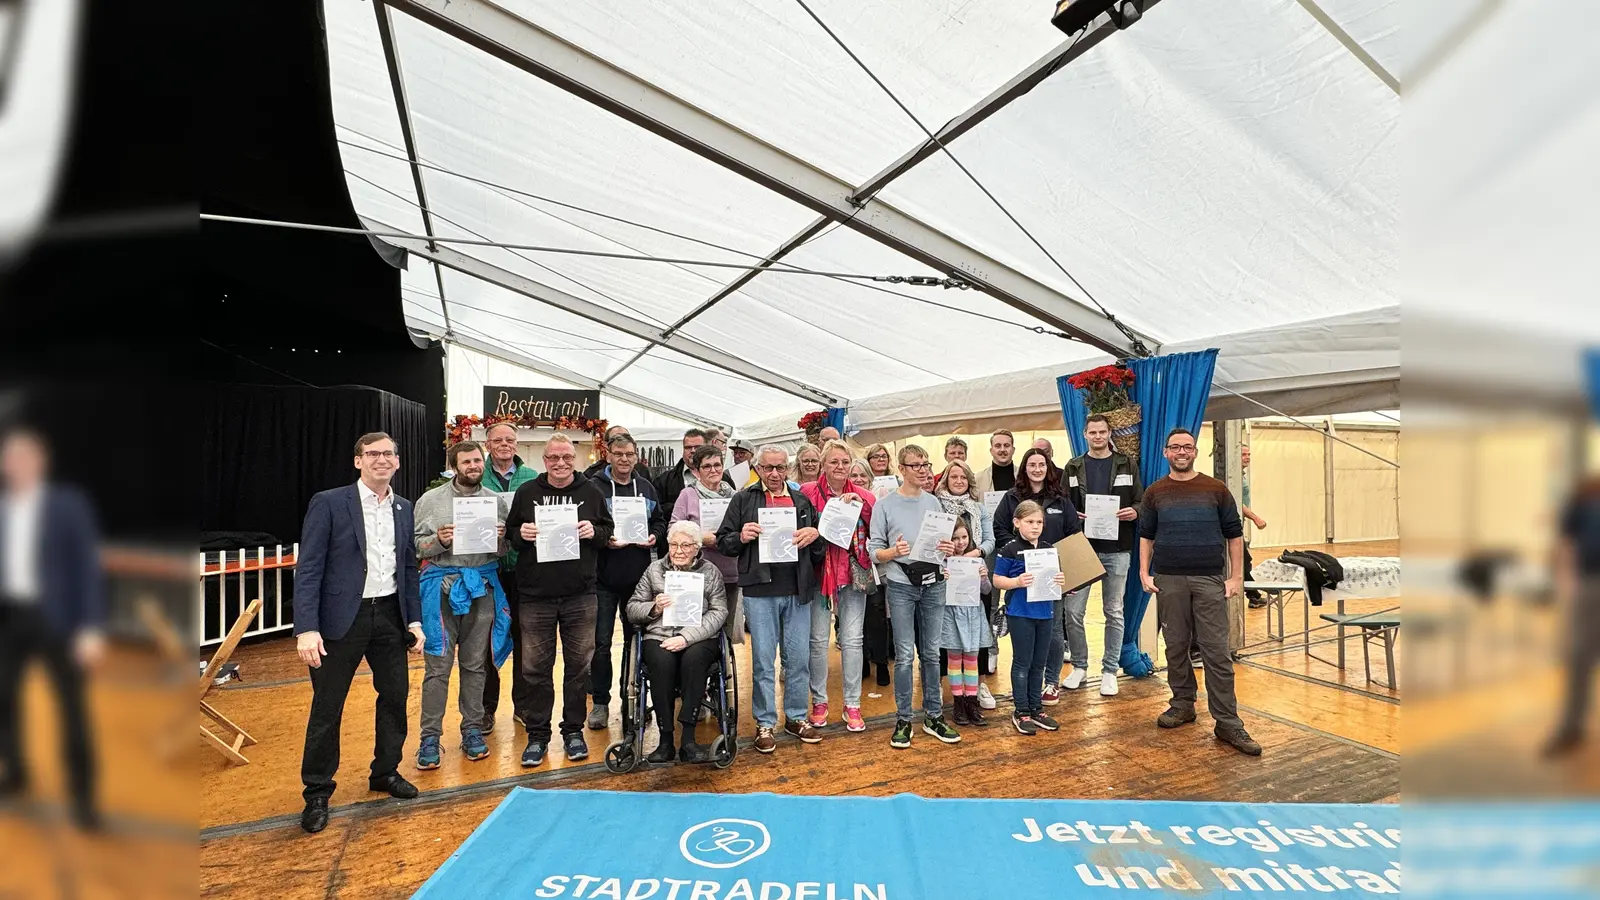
(52, 605)
(355, 597)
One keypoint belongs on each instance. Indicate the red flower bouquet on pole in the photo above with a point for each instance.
(811, 423)
(1105, 391)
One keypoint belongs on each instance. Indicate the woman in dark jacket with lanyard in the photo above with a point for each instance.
(1039, 481)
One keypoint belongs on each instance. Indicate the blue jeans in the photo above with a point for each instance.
(1030, 648)
(1111, 590)
(1069, 608)
(911, 608)
(778, 624)
(851, 606)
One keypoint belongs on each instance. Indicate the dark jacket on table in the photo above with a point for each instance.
(742, 509)
(67, 561)
(641, 606)
(1073, 478)
(1060, 519)
(620, 567)
(330, 572)
(568, 577)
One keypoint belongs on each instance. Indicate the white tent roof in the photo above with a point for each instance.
(1221, 174)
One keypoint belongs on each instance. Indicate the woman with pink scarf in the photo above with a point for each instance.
(845, 578)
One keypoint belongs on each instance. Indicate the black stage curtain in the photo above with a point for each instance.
(268, 448)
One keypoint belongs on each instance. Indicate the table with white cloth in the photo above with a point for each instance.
(1365, 577)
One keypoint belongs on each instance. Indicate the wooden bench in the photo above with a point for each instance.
(1381, 627)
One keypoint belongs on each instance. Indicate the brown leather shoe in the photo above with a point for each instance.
(803, 730)
(765, 741)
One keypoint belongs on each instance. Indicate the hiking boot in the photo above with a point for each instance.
(985, 698)
(1045, 723)
(974, 716)
(1174, 717)
(1239, 739)
(473, 745)
(958, 710)
(599, 717)
(853, 720)
(819, 714)
(1050, 696)
(805, 731)
(428, 754)
(939, 728)
(1024, 725)
(901, 739)
(765, 741)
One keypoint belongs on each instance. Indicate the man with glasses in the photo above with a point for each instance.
(775, 598)
(557, 597)
(504, 474)
(640, 469)
(916, 595)
(356, 595)
(1191, 546)
(619, 567)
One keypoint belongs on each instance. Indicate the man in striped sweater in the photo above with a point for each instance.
(1191, 538)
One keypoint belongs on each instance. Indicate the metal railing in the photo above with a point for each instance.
(254, 571)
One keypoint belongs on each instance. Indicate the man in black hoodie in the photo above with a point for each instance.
(557, 596)
(619, 568)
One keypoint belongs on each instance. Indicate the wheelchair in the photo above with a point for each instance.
(638, 710)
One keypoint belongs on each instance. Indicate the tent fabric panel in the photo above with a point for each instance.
(1232, 162)
(692, 385)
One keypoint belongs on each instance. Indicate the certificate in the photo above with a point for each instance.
(884, 485)
(1101, 523)
(1043, 565)
(474, 519)
(838, 522)
(991, 502)
(936, 527)
(712, 509)
(778, 524)
(688, 593)
(740, 475)
(631, 516)
(558, 532)
(963, 582)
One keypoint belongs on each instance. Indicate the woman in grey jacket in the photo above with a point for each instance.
(679, 658)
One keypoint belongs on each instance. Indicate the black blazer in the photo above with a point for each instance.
(331, 571)
(71, 585)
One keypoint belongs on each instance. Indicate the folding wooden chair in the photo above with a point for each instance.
(228, 748)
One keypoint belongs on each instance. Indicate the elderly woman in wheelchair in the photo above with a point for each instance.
(679, 657)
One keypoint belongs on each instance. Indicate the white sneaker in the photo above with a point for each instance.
(985, 699)
(994, 663)
(1074, 679)
(1108, 684)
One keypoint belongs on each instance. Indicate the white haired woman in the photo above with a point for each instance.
(706, 465)
(679, 657)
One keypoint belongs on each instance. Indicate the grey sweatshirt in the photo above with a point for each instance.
(435, 509)
(893, 516)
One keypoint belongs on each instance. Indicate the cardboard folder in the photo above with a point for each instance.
(1078, 562)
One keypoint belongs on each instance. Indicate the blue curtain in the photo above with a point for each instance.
(1591, 366)
(1171, 391)
(834, 416)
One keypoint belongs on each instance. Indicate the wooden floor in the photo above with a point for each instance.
(1328, 737)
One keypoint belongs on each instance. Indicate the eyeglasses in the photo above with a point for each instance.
(565, 457)
(680, 545)
(628, 455)
(879, 456)
(761, 467)
(1181, 448)
(917, 467)
(379, 454)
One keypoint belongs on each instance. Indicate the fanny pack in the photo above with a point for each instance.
(922, 573)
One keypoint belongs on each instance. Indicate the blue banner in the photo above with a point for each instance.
(642, 846)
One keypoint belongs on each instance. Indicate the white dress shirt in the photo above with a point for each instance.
(377, 515)
(22, 546)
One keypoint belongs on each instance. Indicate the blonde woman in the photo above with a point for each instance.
(878, 461)
(807, 464)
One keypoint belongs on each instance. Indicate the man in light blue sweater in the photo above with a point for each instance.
(916, 595)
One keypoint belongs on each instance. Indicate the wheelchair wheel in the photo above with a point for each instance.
(726, 745)
(621, 758)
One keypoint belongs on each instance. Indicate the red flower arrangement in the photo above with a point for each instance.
(812, 421)
(1105, 388)
(460, 428)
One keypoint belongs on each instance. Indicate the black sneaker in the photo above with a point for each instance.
(939, 728)
(1044, 721)
(534, 754)
(901, 739)
(1174, 717)
(1024, 725)
(575, 747)
(1239, 739)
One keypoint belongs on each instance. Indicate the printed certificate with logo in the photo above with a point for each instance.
(688, 593)
(558, 533)
(1043, 565)
(778, 525)
(632, 518)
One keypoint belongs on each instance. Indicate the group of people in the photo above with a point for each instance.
(377, 576)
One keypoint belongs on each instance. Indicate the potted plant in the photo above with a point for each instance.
(1105, 391)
